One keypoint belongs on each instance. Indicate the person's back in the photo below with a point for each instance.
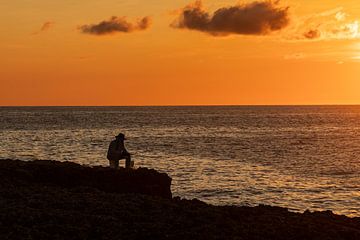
(117, 151)
(114, 151)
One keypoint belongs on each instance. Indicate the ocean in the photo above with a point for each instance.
(298, 157)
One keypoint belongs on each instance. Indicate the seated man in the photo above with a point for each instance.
(117, 151)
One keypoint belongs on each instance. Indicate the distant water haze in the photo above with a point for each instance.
(299, 157)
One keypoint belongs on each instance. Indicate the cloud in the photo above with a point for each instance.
(312, 34)
(329, 25)
(256, 18)
(116, 24)
(45, 27)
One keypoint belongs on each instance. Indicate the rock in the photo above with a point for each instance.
(70, 175)
(53, 200)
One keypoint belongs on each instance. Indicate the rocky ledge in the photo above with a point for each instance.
(71, 175)
(53, 200)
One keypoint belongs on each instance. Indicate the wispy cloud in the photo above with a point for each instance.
(114, 25)
(256, 18)
(45, 27)
(328, 25)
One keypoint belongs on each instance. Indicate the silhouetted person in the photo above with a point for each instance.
(117, 151)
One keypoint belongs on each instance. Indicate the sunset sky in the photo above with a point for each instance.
(179, 52)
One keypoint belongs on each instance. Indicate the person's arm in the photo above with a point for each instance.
(125, 152)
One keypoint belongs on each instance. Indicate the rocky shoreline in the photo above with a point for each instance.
(55, 200)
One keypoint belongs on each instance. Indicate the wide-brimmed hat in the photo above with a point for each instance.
(121, 136)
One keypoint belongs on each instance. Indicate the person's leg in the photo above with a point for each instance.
(128, 161)
(112, 163)
(116, 164)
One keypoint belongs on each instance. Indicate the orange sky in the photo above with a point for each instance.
(47, 60)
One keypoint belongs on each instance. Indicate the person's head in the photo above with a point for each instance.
(120, 137)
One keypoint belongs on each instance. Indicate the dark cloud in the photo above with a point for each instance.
(312, 34)
(256, 18)
(116, 24)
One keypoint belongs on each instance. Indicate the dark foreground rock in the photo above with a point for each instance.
(37, 205)
(71, 175)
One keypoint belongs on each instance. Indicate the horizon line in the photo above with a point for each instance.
(189, 105)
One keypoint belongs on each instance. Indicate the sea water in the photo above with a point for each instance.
(299, 157)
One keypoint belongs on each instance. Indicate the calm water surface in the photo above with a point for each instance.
(295, 157)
